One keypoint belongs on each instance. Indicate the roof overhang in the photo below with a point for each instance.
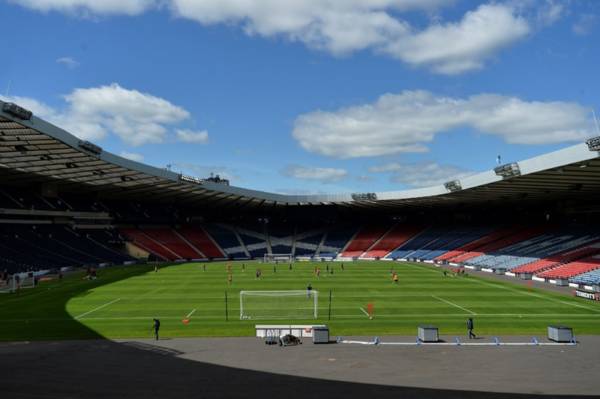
(35, 151)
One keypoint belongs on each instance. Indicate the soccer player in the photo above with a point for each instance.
(258, 273)
(243, 267)
(342, 266)
(318, 272)
(156, 327)
(229, 278)
(308, 290)
(155, 268)
(395, 278)
(470, 327)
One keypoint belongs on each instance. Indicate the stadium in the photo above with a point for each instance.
(95, 246)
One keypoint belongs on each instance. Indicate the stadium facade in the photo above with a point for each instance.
(67, 202)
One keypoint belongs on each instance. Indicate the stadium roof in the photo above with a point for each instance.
(33, 151)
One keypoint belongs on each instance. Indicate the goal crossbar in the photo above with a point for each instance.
(272, 305)
(267, 258)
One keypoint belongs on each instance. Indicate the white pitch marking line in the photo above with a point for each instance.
(551, 299)
(365, 312)
(95, 309)
(453, 304)
(190, 314)
(513, 290)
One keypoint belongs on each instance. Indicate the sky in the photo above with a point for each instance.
(310, 96)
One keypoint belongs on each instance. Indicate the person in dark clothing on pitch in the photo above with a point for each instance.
(470, 327)
(156, 327)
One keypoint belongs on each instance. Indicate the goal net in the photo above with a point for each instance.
(7, 286)
(272, 305)
(15, 283)
(278, 258)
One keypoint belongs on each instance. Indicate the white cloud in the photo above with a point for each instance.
(406, 122)
(423, 174)
(132, 156)
(585, 24)
(550, 12)
(38, 108)
(93, 113)
(346, 26)
(191, 136)
(454, 48)
(68, 62)
(318, 174)
(90, 7)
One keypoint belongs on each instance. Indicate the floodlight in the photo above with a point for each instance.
(453, 185)
(15, 110)
(509, 170)
(593, 143)
(364, 197)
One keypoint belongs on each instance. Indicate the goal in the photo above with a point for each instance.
(275, 258)
(13, 284)
(275, 305)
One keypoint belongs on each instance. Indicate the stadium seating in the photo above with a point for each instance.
(27, 247)
(572, 269)
(447, 242)
(202, 241)
(364, 240)
(148, 244)
(174, 242)
(558, 258)
(472, 246)
(433, 242)
(393, 239)
(588, 278)
(534, 249)
(513, 236)
(307, 243)
(336, 239)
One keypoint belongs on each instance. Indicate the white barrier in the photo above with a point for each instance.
(457, 342)
(301, 331)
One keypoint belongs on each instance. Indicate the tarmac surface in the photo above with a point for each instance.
(247, 368)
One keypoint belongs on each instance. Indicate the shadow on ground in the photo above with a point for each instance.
(94, 367)
(105, 369)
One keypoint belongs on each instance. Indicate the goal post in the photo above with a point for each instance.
(274, 258)
(8, 286)
(15, 283)
(276, 305)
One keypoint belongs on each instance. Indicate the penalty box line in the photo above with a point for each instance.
(480, 281)
(453, 304)
(98, 308)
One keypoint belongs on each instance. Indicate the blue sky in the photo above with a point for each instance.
(313, 95)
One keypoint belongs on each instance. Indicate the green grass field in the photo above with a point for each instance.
(123, 301)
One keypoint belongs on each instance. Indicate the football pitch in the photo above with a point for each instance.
(122, 302)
